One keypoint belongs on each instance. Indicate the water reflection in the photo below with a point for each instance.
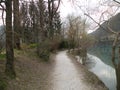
(103, 71)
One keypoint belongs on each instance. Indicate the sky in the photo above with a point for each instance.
(92, 7)
(100, 10)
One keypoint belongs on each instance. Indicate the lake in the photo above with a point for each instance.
(100, 63)
(105, 72)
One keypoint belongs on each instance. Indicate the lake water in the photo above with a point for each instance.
(105, 72)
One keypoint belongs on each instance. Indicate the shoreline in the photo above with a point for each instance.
(90, 77)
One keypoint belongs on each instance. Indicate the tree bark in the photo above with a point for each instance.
(9, 41)
(118, 76)
(16, 24)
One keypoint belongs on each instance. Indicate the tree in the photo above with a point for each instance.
(52, 9)
(9, 41)
(41, 32)
(77, 36)
(16, 24)
(25, 22)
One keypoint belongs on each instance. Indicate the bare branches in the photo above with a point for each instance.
(57, 6)
(94, 21)
(116, 1)
(3, 9)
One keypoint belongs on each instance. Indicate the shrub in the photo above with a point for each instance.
(44, 54)
(34, 45)
(48, 46)
(54, 44)
(44, 50)
(63, 44)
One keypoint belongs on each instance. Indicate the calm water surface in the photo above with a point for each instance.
(105, 72)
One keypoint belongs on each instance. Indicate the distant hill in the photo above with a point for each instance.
(102, 32)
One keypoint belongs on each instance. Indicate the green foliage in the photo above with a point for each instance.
(63, 44)
(34, 45)
(3, 84)
(2, 56)
(44, 54)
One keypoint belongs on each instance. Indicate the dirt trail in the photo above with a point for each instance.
(60, 74)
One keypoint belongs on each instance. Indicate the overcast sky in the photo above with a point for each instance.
(77, 7)
(94, 8)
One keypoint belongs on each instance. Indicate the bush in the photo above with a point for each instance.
(34, 45)
(48, 46)
(63, 44)
(44, 54)
(54, 44)
(44, 50)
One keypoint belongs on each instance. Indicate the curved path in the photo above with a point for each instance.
(60, 74)
(66, 76)
(69, 76)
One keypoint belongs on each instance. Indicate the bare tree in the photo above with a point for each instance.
(77, 36)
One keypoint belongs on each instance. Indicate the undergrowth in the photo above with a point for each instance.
(3, 84)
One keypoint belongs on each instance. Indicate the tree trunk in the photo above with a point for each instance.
(9, 41)
(118, 77)
(16, 24)
(116, 66)
(41, 34)
(118, 73)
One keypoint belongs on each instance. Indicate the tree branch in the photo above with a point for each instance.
(113, 50)
(3, 9)
(108, 26)
(94, 21)
(116, 1)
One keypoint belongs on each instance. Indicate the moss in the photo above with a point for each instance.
(2, 56)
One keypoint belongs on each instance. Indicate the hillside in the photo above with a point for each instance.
(103, 30)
